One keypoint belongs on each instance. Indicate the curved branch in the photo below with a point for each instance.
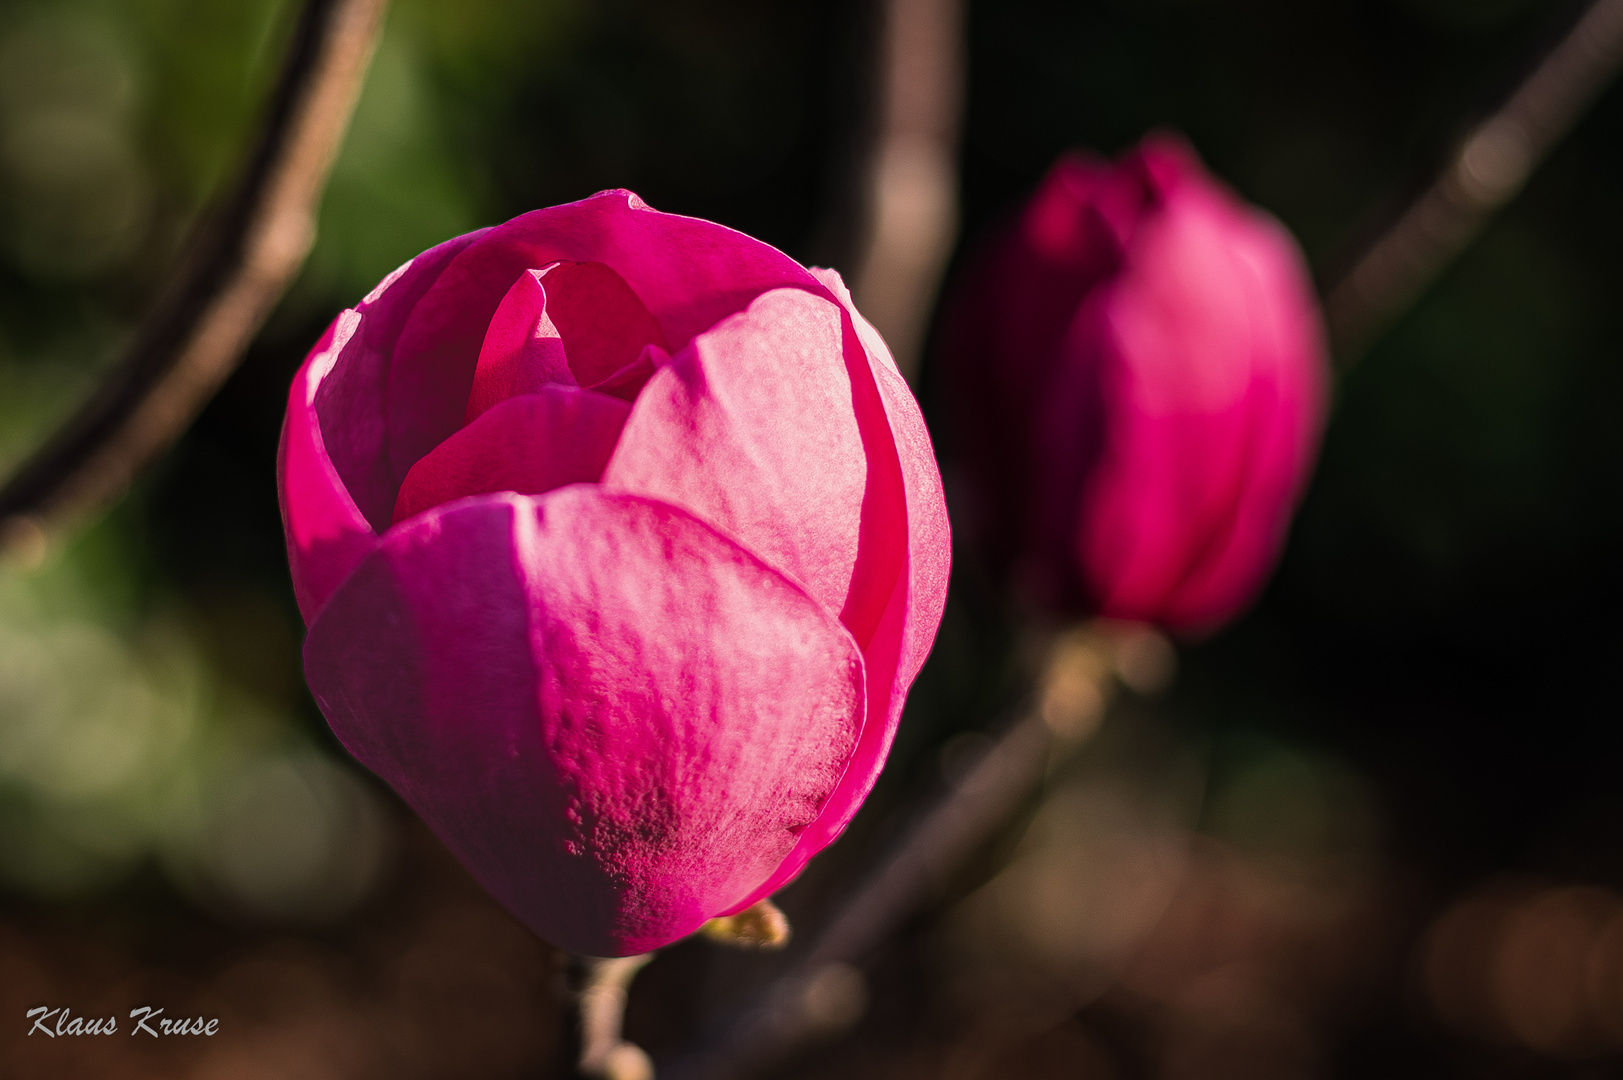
(239, 259)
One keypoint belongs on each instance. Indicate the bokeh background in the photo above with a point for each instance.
(1374, 829)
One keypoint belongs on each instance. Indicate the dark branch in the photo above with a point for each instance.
(237, 262)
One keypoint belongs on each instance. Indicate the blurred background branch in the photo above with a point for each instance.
(910, 181)
(241, 255)
(1488, 168)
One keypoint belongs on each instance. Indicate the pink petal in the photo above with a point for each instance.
(906, 628)
(527, 444)
(872, 343)
(326, 534)
(769, 428)
(688, 274)
(522, 350)
(330, 462)
(615, 716)
(604, 326)
(1183, 339)
(574, 324)
(628, 382)
(929, 535)
(350, 398)
(1288, 401)
(1173, 334)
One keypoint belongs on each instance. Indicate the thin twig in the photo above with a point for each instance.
(912, 178)
(238, 261)
(1489, 167)
(822, 991)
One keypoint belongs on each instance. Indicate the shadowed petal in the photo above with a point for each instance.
(604, 326)
(349, 399)
(570, 324)
(618, 718)
(326, 534)
(526, 444)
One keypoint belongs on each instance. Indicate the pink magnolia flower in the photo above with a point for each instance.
(1137, 373)
(620, 541)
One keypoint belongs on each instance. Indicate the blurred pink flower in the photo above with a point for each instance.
(1137, 379)
(620, 541)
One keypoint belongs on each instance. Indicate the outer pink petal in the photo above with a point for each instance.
(872, 343)
(526, 444)
(789, 426)
(326, 534)
(768, 427)
(688, 273)
(616, 717)
(350, 399)
(929, 535)
(907, 628)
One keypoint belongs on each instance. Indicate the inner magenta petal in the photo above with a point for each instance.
(628, 382)
(522, 352)
(566, 324)
(527, 444)
(603, 324)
